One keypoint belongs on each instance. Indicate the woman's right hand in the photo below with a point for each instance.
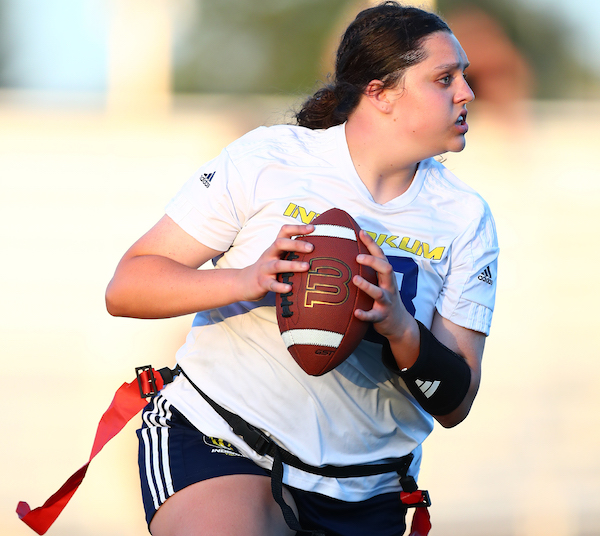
(158, 276)
(261, 277)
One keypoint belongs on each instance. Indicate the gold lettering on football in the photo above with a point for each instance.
(327, 282)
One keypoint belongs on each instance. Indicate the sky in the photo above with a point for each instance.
(584, 16)
(62, 44)
(56, 44)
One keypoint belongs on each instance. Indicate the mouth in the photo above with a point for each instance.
(462, 119)
(461, 122)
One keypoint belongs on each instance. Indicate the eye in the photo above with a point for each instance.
(445, 80)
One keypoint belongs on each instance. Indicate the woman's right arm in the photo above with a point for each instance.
(158, 277)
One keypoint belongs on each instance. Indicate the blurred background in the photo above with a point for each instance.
(107, 106)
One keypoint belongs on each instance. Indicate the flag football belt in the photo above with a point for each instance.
(130, 399)
(411, 496)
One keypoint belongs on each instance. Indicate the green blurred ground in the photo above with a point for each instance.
(78, 187)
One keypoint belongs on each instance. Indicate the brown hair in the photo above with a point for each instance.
(380, 44)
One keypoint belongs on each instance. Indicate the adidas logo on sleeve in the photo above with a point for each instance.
(486, 276)
(206, 178)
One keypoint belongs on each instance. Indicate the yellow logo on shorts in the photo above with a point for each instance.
(221, 446)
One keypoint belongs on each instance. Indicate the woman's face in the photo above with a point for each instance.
(430, 100)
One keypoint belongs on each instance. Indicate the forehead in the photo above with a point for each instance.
(443, 51)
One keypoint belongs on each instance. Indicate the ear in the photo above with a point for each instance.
(378, 96)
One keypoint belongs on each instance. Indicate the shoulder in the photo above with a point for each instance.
(448, 193)
(283, 143)
(457, 207)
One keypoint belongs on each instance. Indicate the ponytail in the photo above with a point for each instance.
(328, 107)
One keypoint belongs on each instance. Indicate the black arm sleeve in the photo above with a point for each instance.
(439, 379)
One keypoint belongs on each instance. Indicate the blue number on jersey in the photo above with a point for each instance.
(408, 285)
(408, 290)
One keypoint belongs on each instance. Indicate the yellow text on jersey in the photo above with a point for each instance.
(406, 243)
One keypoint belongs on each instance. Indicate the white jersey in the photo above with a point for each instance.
(440, 239)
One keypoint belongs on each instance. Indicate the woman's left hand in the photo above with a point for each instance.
(388, 314)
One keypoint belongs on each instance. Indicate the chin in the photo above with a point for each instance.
(457, 146)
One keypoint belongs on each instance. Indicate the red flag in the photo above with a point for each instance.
(126, 403)
(421, 524)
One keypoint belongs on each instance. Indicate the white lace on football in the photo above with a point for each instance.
(334, 231)
(316, 337)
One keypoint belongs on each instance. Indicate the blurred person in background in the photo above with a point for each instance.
(499, 74)
(351, 438)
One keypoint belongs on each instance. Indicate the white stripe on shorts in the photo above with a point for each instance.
(160, 413)
(148, 466)
(168, 480)
(156, 451)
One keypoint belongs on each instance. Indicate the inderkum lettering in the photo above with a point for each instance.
(406, 243)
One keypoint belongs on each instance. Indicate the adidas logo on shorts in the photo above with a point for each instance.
(486, 276)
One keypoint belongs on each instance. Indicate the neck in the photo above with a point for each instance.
(386, 173)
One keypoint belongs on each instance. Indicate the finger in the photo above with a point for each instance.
(368, 316)
(376, 258)
(380, 265)
(289, 230)
(372, 246)
(279, 287)
(284, 241)
(286, 248)
(370, 289)
(386, 277)
(383, 300)
(274, 275)
(281, 266)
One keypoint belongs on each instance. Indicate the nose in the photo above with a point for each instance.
(464, 93)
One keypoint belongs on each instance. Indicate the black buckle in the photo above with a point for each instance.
(262, 444)
(147, 384)
(408, 484)
(259, 441)
(425, 500)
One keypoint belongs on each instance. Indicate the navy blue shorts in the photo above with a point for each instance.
(173, 454)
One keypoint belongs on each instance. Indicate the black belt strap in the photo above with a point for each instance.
(264, 445)
(289, 515)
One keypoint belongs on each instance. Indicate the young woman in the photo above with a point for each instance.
(365, 145)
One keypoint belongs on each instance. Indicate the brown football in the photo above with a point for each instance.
(316, 319)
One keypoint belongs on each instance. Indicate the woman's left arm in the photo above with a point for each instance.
(469, 345)
(391, 319)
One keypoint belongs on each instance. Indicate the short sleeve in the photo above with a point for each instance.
(469, 291)
(211, 204)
